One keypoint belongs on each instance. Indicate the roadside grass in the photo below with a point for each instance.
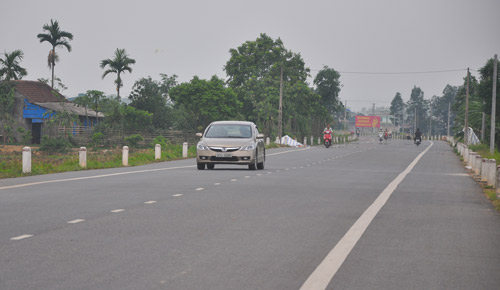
(484, 151)
(492, 196)
(47, 163)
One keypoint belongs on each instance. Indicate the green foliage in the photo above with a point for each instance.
(160, 140)
(328, 87)
(25, 135)
(10, 68)
(52, 145)
(397, 108)
(133, 140)
(152, 96)
(120, 63)
(97, 139)
(135, 119)
(205, 101)
(6, 109)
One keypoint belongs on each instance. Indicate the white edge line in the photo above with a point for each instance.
(20, 237)
(92, 177)
(324, 273)
(76, 221)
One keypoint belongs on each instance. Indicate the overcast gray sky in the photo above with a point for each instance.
(189, 38)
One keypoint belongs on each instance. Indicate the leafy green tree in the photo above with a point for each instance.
(119, 64)
(328, 87)
(152, 96)
(92, 99)
(205, 101)
(10, 68)
(440, 105)
(56, 37)
(397, 108)
(417, 104)
(58, 84)
(485, 91)
(475, 106)
(254, 72)
(6, 108)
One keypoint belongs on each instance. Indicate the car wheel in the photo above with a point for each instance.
(210, 166)
(200, 166)
(261, 164)
(253, 166)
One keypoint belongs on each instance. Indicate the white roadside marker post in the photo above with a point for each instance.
(125, 156)
(157, 151)
(82, 156)
(26, 160)
(184, 150)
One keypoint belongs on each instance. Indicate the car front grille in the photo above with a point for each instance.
(213, 158)
(224, 149)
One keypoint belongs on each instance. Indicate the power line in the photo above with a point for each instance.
(398, 73)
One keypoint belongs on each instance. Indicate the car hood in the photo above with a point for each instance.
(227, 142)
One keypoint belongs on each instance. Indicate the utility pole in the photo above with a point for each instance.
(430, 122)
(415, 121)
(373, 114)
(493, 105)
(466, 129)
(483, 123)
(280, 117)
(449, 107)
(345, 116)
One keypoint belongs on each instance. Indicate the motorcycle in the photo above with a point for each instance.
(418, 140)
(327, 137)
(381, 136)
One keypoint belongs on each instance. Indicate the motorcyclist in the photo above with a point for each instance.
(418, 135)
(386, 134)
(328, 131)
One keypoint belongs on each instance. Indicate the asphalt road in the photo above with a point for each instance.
(361, 216)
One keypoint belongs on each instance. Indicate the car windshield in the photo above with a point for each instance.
(229, 131)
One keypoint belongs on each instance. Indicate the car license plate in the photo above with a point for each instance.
(223, 155)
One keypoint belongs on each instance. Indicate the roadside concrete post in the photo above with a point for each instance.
(466, 154)
(319, 141)
(184, 150)
(26, 160)
(484, 170)
(305, 141)
(472, 156)
(497, 176)
(268, 140)
(125, 156)
(478, 162)
(157, 151)
(492, 173)
(312, 140)
(82, 156)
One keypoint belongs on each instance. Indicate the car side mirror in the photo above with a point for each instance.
(199, 134)
(260, 136)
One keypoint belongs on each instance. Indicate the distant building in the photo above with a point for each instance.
(35, 102)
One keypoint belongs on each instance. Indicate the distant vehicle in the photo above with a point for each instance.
(231, 142)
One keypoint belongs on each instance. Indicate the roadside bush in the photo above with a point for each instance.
(25, 135)
(96, 139)
(58, 144)
(133, 140)
(162, 141)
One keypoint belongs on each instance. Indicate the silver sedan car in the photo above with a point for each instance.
(231, 142)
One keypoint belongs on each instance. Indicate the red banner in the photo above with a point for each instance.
(368, 121)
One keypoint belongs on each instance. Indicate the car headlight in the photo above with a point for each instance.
(248, 148)
(201, 147)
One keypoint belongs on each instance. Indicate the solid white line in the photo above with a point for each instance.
(117, 210)
(21, 237)
(92, 177)
(290, 151)
(324, 273)
(150, 202)
(76, 221)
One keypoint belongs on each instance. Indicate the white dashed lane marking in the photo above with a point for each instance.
(217, 183)
(117, 210)
(21, 237)
(76, 221)
(199, 188)
(177, 195)
(150, 202)
(234, 179)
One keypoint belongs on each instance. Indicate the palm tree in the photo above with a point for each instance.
(10, 68)
(119, 64)
(56, 38)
